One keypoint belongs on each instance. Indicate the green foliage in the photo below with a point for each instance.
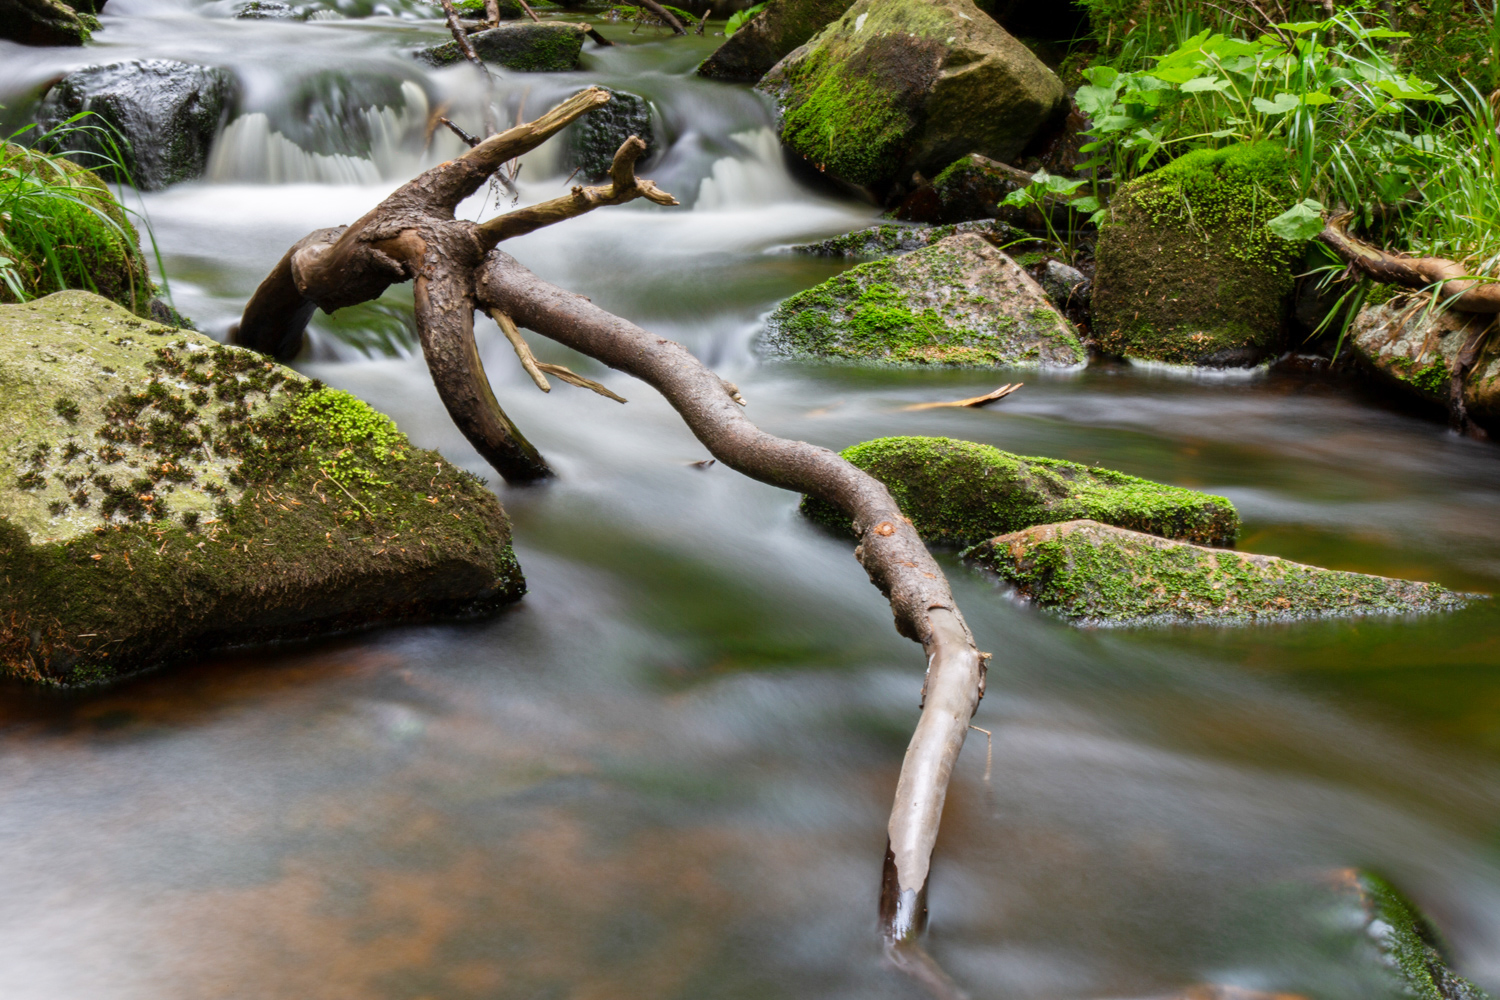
(738, 18)
(61, 227)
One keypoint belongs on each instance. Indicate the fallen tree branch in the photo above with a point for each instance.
(1454, 286)
(456, 267)
(972, 401)
(662, 13)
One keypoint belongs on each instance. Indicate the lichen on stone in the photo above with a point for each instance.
(957, 302)
(161, 494)
(1098, 573)
(961, 492)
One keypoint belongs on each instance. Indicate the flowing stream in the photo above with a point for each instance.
(666, 773)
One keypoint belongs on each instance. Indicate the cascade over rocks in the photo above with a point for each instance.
(166, 114)
(551, 47)
(961, 493)
(162, 495)
(1445, 357)
(768, 37)
(957, 302)
(1187, 271)
(45, 22)
(896, 86)
(1100, 573)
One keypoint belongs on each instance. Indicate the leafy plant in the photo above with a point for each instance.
(738, 18)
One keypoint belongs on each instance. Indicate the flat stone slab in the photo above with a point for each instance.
(957, 303)
(162, 494)
(1094, 572)
(961, 492)
(550, 47)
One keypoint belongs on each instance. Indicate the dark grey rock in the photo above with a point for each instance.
(1064, 285)
(163, 115)
(552, 47)
(268, 10)
(598, 134)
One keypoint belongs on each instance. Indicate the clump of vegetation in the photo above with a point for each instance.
(61, 226)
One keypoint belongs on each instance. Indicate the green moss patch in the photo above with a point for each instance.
(960, 493)
(1187, 270)
(1411, 944)
(1100, 573)
(958, 302)
(161, 494)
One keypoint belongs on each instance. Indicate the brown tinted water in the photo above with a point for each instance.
(666, 773)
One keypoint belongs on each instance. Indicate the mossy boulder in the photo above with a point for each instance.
(1101, 573)
(974, 187)
(1416, 347)
(892, 240)
(593, 140)
(1187, 271)
(161, 495)
(159, 115)
(768, 37)
(44, 22)
(1413, 950)
(550, 47)
(896, 86)
(958, 302)
(77, 237)
(960, 493)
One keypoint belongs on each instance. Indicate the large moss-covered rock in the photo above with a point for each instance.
(44, 22)
(960, 493)
(1411, 946)
(163, 116)
(1098, 572)
(161, 494)
(1187, 270)
(959, 301)
(896, 86)
(1418, 347)
(550, 47)
(768, 37)
(79, 238)
(593, 140)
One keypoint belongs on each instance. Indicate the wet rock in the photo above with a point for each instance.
(768, 37)
(592, 142)
(896, 86)
(82, 241)
(892, 240)
(1065, 286)
(269, 10)
(961, 493)
(1187, 271)
(162, 495)
(958, 302)
(1414, 953)
(974, 187)
(165, 115)
(1101, 573)
(44, 22)
(551, 47)
(1418, 348)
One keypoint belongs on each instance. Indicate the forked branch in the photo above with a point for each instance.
(456, 268)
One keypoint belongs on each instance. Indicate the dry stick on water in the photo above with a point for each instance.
(972, 401)
(457, 268)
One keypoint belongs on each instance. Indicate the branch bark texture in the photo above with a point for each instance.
(457, 268)
(1454, 285)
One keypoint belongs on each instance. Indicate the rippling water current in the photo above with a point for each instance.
(666, 773)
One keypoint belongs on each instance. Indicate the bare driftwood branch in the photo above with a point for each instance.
(972, 401)
(457, 268)
(662, 13)
(1456, 287)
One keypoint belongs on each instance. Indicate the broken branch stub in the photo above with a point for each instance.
(456, 268)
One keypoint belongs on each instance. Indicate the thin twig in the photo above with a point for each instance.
(529, 12)
(470, 140)
(973, 401)
(523, 349)
(989, 751)
(573, 378)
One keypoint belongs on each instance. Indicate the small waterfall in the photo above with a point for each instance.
(748, 182)
(251, 150)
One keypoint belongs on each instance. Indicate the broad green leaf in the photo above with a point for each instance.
(1094, 101)
(1315, 98)
(1101, 76)
(1301, 27)
(1302, 221)
(1199, 84)
(1280, 106)
(1383, 33)
(737, 20)
(1088, 203)
(1019, 198)
(1176, 74)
